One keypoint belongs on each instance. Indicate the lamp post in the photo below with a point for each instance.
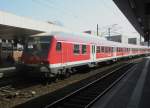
(97, 30)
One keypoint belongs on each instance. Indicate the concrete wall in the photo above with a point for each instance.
(118, 38)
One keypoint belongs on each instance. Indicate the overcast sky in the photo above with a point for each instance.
(77, 15)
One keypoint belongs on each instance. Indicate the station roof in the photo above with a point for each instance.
(138, 13)
(13, 26)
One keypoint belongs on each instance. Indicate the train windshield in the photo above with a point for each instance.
(38, 45)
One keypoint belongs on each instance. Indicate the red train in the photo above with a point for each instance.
(59, 53)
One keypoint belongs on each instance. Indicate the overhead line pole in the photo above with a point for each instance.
(109, 33)
(97, 30)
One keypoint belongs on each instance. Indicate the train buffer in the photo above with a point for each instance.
(133, 91)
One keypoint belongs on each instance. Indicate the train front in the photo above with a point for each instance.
(34, 60)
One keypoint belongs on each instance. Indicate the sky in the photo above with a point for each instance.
(76, 15)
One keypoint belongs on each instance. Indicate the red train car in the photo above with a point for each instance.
(57, 53)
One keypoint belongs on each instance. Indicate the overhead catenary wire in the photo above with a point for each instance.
(51, 3)
(49, 6)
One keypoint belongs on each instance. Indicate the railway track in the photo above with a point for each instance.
(7, 81)
(22, 94)
(87, 95)
(8, 85)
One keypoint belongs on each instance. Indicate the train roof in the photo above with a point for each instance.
(87, 39)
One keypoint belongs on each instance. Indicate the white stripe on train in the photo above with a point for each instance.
(86, 61)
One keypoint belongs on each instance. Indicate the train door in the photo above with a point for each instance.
(93, 53)
(114, 51)
(65, 53)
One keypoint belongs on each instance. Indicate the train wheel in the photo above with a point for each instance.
(73, 70)
(66, 73)
(69, 72)
(49, 78)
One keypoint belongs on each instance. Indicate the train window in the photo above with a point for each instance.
(98, 49)
(125, 50)
(83, 49)
(38, 45)
(107, 49)
(128, 49)
(112, 49)
(58, 46)
(118, 49)
(102, 49)
(76, 49)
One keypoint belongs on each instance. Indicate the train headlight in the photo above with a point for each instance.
(44, 69)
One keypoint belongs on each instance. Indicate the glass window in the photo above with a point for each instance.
(102, 49)
(58, 46)
(117, 49)
(38, 45)
(112, 49)
(84, 49)
(106, 49)
(109, 49)
(76, 49)
(98, 49)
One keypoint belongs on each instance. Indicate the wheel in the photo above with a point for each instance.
(66, 73)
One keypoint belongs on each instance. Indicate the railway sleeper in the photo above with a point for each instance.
(73, 105)
(83, 98)
(78, 101)
(89, 95)
(92, 91)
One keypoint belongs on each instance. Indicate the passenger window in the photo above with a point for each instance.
(76, 49)
(109, 49)
(58, 46)
(112, 49)
(98, 49)
(117, 49)
(106, 49)
(102, 49)
(83, 49)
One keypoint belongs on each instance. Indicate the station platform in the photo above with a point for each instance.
(133, 91)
